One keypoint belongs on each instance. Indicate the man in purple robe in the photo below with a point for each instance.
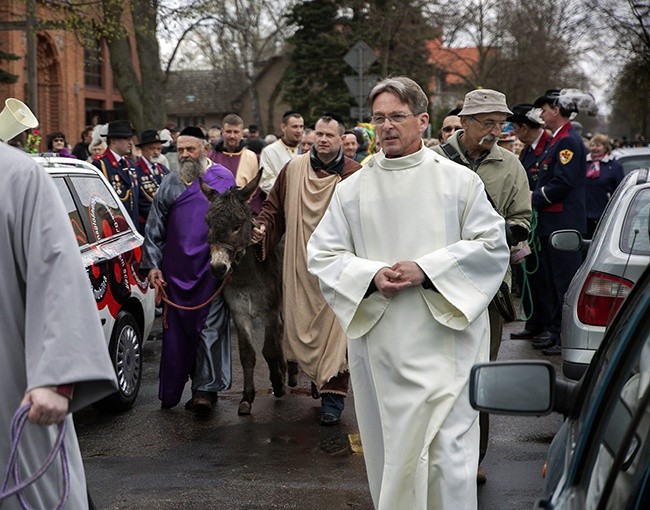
(196, 342)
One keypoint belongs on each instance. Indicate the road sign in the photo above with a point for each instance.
(361, 85)
(360, 114)
(360, 57)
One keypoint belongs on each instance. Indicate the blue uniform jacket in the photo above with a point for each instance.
(122, 176)
(560, 193)
(530, 159)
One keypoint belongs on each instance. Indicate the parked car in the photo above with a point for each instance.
(600, 458)
(616, 258)
(111, 250)
(632, 158)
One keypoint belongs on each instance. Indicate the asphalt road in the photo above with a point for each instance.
(279, 457)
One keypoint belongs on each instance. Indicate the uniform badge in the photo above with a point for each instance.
(565, 156)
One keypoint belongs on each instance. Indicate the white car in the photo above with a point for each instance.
(111, 250)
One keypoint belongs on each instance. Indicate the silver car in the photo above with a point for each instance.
(632, 158)
(616, 258)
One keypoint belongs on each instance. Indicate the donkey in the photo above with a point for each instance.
(254, 289)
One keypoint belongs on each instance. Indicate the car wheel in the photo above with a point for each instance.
(125, 350)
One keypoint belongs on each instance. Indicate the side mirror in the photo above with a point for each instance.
(567, 240)
(517, 387)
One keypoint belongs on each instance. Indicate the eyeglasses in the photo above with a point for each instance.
(58, 139)
(489, 124)
(449, 129)
(395, 118)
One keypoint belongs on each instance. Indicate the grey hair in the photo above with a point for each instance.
(405, 89)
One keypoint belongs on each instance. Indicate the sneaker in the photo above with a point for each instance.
(554, 350)
(332, 406)
(543, 344)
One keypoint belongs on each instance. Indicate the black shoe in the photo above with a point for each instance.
(554, 350)
(522, 335)
(543, 343)
(201, 405)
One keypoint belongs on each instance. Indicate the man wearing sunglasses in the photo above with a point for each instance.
(450, 124)
(475, 146)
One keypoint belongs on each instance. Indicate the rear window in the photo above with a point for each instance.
(630, 163)
(635, 238)
(104, 215)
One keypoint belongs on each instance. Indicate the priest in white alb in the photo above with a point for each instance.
(409, 254)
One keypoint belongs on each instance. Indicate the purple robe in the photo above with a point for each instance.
(177, 244)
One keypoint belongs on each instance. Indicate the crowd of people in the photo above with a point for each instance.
(398, 258)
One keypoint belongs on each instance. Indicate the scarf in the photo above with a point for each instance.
(593, 166)
(333, 167)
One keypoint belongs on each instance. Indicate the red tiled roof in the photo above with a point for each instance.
(456, 63)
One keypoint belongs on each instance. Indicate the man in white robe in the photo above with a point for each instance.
(409, 254)
(52, 349)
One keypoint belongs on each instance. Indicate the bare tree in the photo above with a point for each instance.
(521, 48)
(141, 84)
(623, 30)
(238, 37)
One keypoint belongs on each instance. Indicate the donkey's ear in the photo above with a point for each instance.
(209, 192)
(247, 191)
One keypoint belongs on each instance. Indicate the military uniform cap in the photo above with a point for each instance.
(525, 113)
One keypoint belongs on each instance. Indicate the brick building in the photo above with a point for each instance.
(75, 83)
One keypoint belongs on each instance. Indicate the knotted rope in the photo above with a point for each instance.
(161, 295)
(17, 427)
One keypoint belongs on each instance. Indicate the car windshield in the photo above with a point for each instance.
(635, 235)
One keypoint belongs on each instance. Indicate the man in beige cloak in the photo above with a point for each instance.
(297, 202)
(409, 254)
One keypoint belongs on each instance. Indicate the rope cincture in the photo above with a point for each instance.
(160, 291)
(535, 246)
(13, 468)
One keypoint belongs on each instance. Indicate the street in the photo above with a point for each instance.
(279, 457)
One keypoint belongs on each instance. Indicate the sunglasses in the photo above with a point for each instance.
(449, 129)
(58, 139)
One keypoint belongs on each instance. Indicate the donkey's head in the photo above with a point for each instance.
(230, 225)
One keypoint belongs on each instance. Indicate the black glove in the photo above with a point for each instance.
(515, 234)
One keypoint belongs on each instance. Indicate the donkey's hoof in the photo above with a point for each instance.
(244, 408)
(279, 392)
(292, 371)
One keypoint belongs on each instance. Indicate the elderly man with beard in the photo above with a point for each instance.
(506, 184)
(196, 343)
(312, 336)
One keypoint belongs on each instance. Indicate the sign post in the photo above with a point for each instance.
(360, 57)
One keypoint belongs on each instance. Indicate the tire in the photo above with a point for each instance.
(125, 350)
